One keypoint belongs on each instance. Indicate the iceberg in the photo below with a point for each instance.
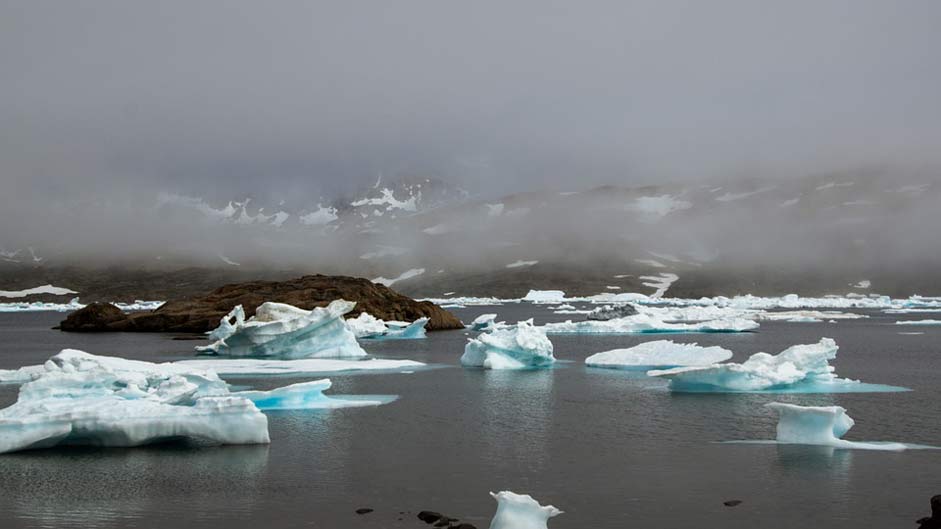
(82, 399)
(520, 511)
(367, 326)
(520, 346)
(659, 354)
(544, 296)
(797, 369)
(483, 322)
(285, 331)
(821, 425)
(646, 323)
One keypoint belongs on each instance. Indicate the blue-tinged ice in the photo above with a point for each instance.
(797, 369)
(520, 511)
(82, 399)
(305, 396)
(659, 354)
(822, 425)
(284, 331)
(367, 326)
(521, 346)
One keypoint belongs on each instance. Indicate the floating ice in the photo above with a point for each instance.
(520, 511)
(368, 326)
(73, 304)
(821, 425)
(660, 354)
(483, 322)
(282, 330)
(256, 366)
(645, 323)
(611, 312)
(520, 346)
(919, 322)
(521, 263)
(79, 398)
(545, 296)
(797, 369)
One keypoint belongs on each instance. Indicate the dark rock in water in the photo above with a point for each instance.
(444, 521)
(202, 314)
(429, 516)
(934, 521)
(611, 312)
(732, 503)
(94, 318)
(363, 510)
(463, 526)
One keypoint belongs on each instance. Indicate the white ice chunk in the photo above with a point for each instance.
(799, 368)
(83, 399)
(282, 330)
(918, 322)
(545, 296)
(520, 346)
(304, 366)
(820, 425)
(520, 511)
(483, 322)
(659, 354)
(367, 326)
(646, 323)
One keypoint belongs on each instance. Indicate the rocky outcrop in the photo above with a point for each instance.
(202, 314)
(96, 317)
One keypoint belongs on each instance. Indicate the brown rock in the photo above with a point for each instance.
(96, 317)
(202, 314)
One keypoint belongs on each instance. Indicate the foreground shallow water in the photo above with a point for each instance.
(613, 449)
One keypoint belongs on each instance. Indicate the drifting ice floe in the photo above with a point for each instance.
(520, 511)
(484, 322)
(306, 366)
(544, 296)
(919, 322)
(797, 369)
(645, 323)
(79, 398)
(822, 426)
(73, 304)
(520, 346)
(660, 354)
(285, 331)
(368, 326)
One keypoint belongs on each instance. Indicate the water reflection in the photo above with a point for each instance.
(94, 487)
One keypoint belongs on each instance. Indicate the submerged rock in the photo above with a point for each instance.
(202, 314)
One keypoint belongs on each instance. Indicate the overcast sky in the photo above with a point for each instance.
(320, 94)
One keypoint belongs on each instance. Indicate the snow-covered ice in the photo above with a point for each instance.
(544, 296)
(73, 304)
(520, 511)
(797, 369)
(659, 354)
(918, 322)
(408, 274)
(520, 346)
(285, 331)
(44, 289)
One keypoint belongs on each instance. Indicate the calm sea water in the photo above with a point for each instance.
(611, 449)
